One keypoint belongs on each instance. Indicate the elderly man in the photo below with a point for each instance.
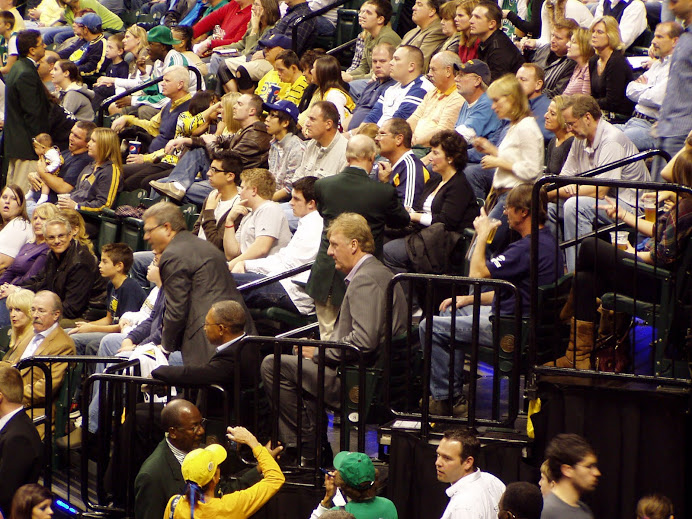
(350, 191)
(427, 35)
(194, 275)
(141, 168)
(596, 143)
(403, 169)
(472, 492)
(476, 117)
(251, 143)
(69, 270)
(403, 97)
(48, 339)
(21, 450)
(361, 323)
(649, 89)
(440, 107)
(495, 49)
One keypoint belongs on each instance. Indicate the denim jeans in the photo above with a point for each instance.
(266, 296)
(481, 180)
(56, 35)
(109, 346)
(578, 217)
(670, 144)
(639, 132)
(395, 256)
(441, 337)
(185, 171)
(4, 313)
(140, 265)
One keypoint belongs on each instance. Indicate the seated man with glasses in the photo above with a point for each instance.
(70, 267)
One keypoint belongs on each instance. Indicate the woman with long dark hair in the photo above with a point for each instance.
(32, 501)
(327, 75)
(73, 94)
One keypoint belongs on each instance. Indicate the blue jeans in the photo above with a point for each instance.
(395, 256)
(639, 132)
(266, 296)
(56, 35)
(4, 313)
(198, 192)
(356, 87)
(87, 343)
(670, 144)
(441, 337)
(578, 216)
(140, 265)
(109, 346)
(186, 170)
(481, 180)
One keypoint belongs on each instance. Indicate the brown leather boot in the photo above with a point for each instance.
(611, 352)
(579, 347)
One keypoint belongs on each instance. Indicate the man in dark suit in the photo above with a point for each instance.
(194, 276)
(26, 109)
(21, 450)
(160, 476)
(225, 328)
(350, 191)
(361, 323)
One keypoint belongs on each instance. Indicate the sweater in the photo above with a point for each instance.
(232, 20)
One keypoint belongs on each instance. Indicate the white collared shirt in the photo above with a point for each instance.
(355, 268)
(179, 454)
(475, 496)
(36, 341)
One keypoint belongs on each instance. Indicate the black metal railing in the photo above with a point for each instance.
(401, 353)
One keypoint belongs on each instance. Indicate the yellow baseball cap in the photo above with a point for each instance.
(199, 466)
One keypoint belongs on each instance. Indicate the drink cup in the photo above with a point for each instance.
(134, 147)
(648, 203)
(491, 234)
(620, 239)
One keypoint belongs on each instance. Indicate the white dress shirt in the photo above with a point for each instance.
(300, 250)
(475, 496)
(649, 96)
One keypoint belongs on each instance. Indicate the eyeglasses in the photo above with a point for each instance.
(215, 171)
(152, 229)
(194, 428)
(56, 238)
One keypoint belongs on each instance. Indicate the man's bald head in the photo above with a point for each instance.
(173, 414)
(361, 147)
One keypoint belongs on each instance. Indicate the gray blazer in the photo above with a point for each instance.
(195, 276)
(361, 320)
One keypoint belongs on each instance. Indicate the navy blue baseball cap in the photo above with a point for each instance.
(276, 40)
(283, 106)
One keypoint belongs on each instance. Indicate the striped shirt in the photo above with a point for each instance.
(399, 101)
(408, 178)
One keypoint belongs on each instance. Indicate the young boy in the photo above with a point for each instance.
(124, 295)
(50, 156)
(118, 68)
(8, 42)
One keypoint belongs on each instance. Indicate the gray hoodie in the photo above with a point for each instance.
(77, 100)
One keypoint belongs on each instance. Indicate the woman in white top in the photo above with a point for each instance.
(15, 228)
(519, 158)
(327, 73)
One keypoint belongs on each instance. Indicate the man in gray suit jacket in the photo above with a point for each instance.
(194, 276)
(361, 323)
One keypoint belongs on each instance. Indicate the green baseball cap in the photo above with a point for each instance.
(161, 34)
(356, 469)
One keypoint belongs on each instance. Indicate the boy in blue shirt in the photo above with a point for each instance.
(124, 295)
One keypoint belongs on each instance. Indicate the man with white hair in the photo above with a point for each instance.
(440, 107)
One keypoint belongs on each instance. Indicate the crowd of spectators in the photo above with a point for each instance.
(367, 169)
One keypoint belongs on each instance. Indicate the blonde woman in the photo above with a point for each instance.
(18, 306)
(579, 49)
(610, 71)
(78, 228)
(100, 181)
(559, 146)
(519, 157)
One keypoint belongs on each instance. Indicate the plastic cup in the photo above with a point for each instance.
(491, 234)
(648, 204)
(620, 239)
